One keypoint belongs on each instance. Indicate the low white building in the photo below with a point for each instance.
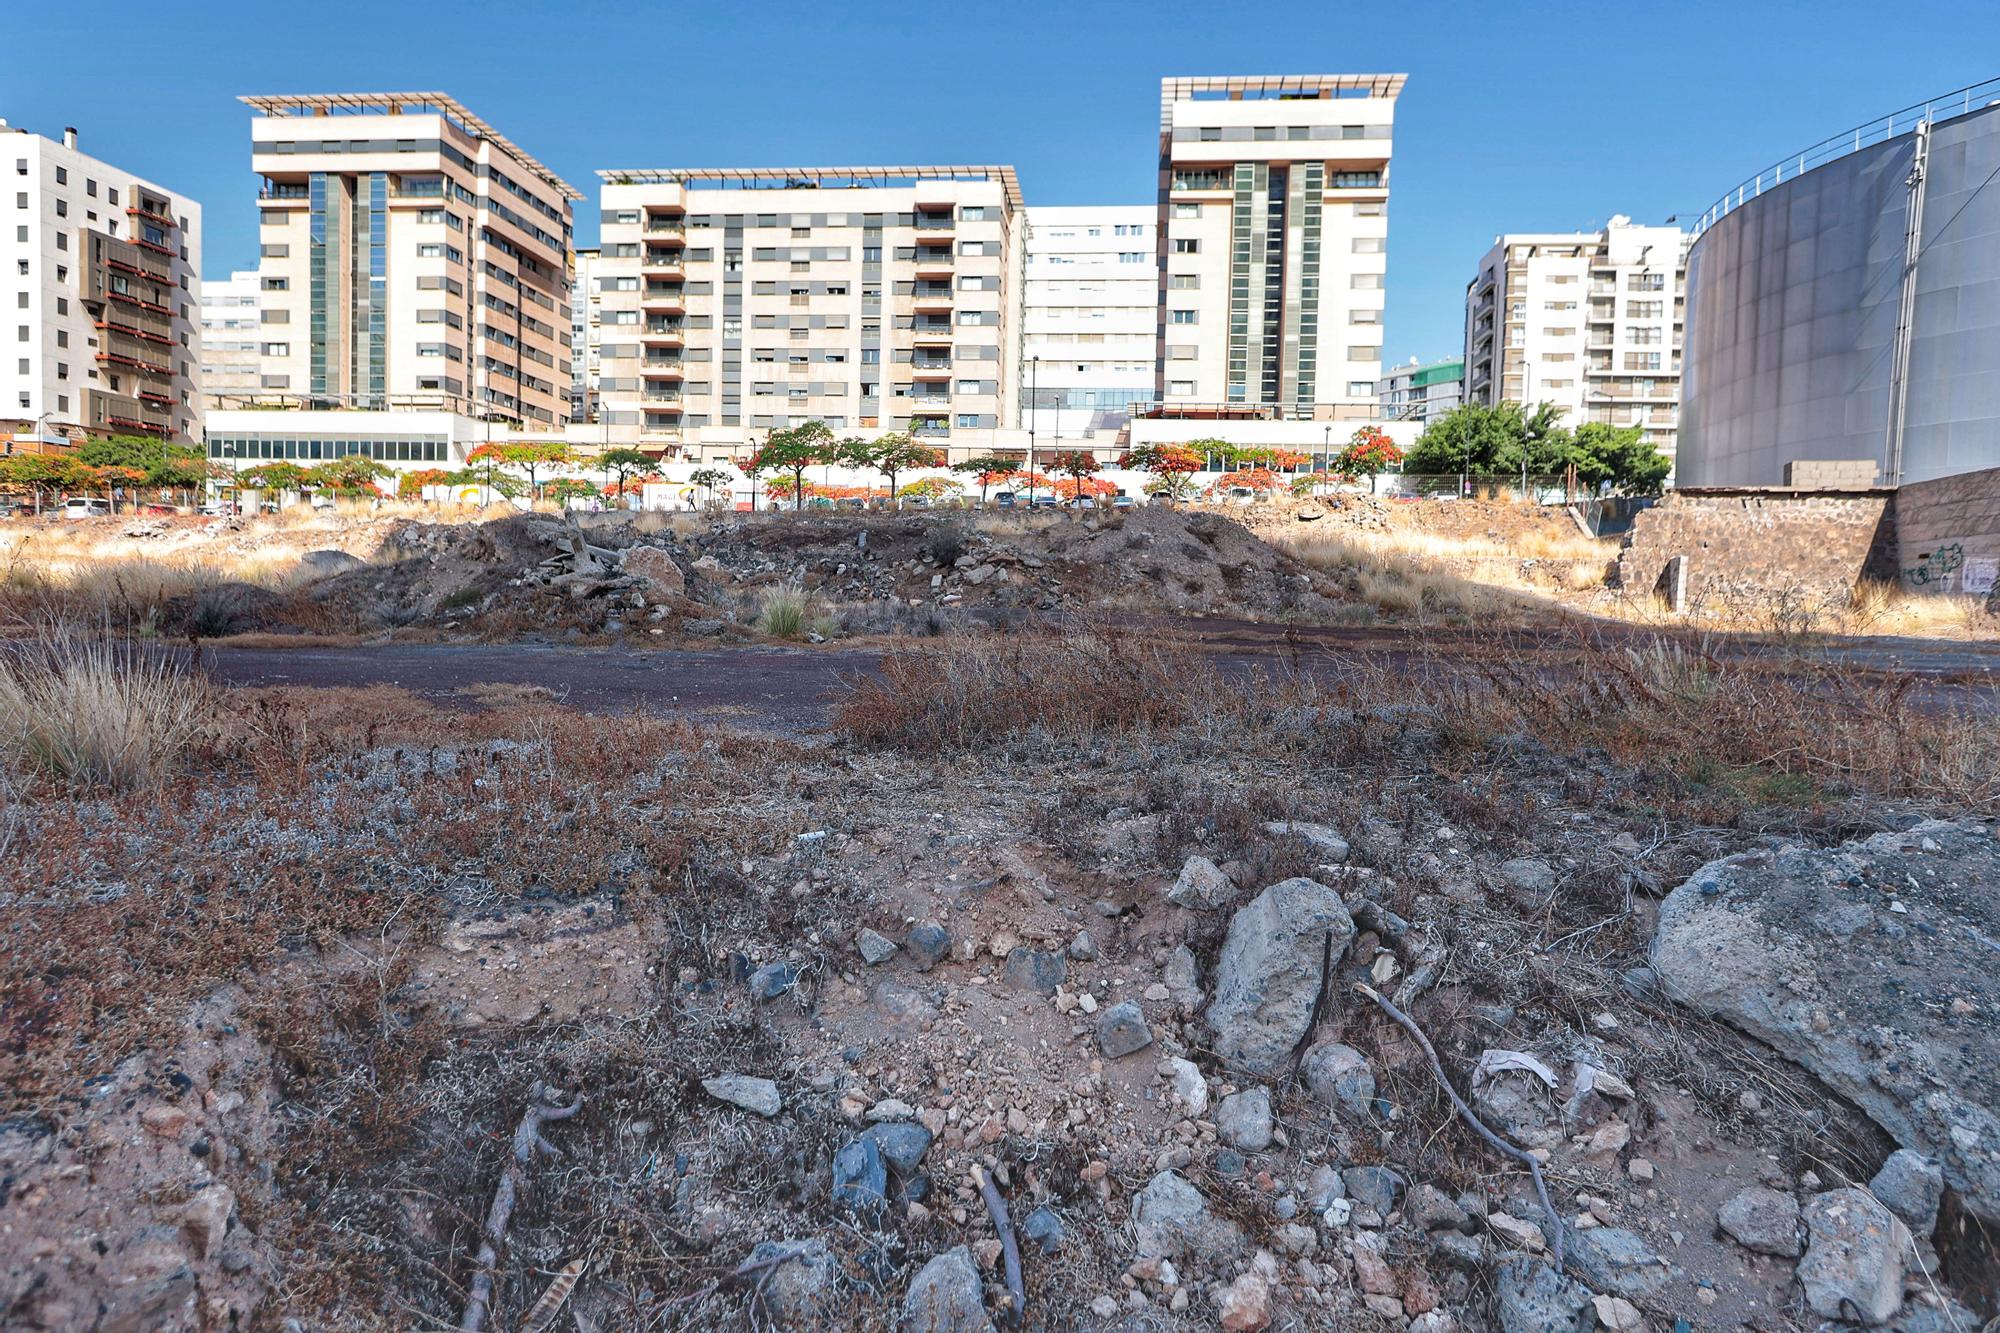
(402, 440)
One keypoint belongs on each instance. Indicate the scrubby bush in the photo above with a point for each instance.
(785, 612)
(90, 711)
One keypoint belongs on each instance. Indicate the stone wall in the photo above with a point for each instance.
(1754, 541)
(1948, 535)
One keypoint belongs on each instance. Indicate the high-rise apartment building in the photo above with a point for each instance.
(1421, 391)
(1272, 241)
(412, 257)
(586, 324)
(737, 302)
(1088, 320)
(1591, 322)
(231, 341)
(97, 292)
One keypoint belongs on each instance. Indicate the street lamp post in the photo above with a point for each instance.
(1034, 408)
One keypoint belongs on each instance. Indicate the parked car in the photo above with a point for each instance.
(80, 506)
(1004, 500)
(216, 509)
(1121, 502)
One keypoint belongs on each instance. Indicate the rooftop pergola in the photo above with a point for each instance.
(397, 104)
(1300, 85)
(816, 178)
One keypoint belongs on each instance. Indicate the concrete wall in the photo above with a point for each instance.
(1756, 542)
(1948, 535)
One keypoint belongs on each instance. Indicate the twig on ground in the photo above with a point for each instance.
(1010, 1248)
(528, 1141)
(1520, 1155)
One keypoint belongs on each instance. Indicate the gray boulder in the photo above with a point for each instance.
(1339, 1076)
(1853, 1269)
(1376, 1187)
(1122, 1029)
(1182, 978)
(759, 1095)
(1800, 948)
(1612, 1259)
(1201, 885)
(1036, 969)
(902, 1144)
(1526, 874)
(1763, 1220)
(1281, 948)
(772, 980)
(947, 1297)
(1045, 1228)
(801, 1287)
(860, 1177)
(1911, 1186)
(1534, 1298)
(875, 947)
(1322, 839)
(317, 564)
(1170, 1220)
(929, 944)
(1244, 1119)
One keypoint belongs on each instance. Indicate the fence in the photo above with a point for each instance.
(1452, 486)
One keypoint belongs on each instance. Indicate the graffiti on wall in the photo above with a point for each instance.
(1934, 572)
(1980, 576)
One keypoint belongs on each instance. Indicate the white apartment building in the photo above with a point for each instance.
(1592, 322)
(738, 302)
(411, 257)
(97, 289)
(1089, 313)
(1272, 242)
(586, 326)
(231, 340)
(1422, 391)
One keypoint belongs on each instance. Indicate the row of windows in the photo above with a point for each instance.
(246, 447)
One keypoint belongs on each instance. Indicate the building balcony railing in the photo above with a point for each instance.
(666, 229)
(935, 223)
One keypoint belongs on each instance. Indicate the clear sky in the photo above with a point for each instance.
(1516, 117)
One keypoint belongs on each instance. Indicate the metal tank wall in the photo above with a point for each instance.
(1792, 305)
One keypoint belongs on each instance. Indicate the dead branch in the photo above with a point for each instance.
(528, 1141)
(1501, 1145)
(1010, 1248)
(1423, 965)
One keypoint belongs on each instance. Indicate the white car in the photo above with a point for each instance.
(79, 506)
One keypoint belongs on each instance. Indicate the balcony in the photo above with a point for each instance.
(931, 333)
(664, 333)
(931, 370)
(664, 298)
(661, 402)
(936, 224)
(932, 300)
(663, 262)
(669, 233)
(663, 369)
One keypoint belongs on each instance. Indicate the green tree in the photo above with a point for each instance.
(713, 480)
(1076, 464)
(351, 474)
(275, 476)
(893, 453)
(1620, 455)
(986, 470)
(45, 476)
(624, 462)
(564, 489)
(1484, 441)
(793, 450)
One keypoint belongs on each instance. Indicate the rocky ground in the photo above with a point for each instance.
(270, 1035)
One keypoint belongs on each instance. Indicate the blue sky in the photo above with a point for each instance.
(1515, 118)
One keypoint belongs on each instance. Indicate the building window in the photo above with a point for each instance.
(1187, 210)
(1184, 282)
(1187, 245)
(1183, 316)
(1645, 282)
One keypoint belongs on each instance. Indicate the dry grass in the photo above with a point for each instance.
(958, 693)
(785, 612)
(88, 711)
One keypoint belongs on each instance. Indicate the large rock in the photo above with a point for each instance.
(1339, 1076)
(1170, 1220)
(657, 570)
(1853, 1269)
(1281, 948)
(1201, 885)
(947, 1297)
(1912, 1187)
(1244, 1119)
(1763, 1220)
(1871, 964)
(802, 1283)
(1122, 1029)
(861, 1176)
(1324, 840)
(759, 1095)
(1534, 1298)
(1616, 1260)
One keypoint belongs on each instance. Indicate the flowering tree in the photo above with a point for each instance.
(1370, 452)
(894, 453)
(622, 463)
(412, 485)
(275, 476)
(1172, 467)
(356, 474)
(931, 488)
(564, 489)
(987, 470)
(531, 456)
(1069, 488)
(1075, 465)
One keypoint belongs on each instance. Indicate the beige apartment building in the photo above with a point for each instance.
(1272, 243)
(738, 302)
(97, 282)
(1592, 322)
(412, 258)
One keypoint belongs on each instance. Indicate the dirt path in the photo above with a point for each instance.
(789, 689)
